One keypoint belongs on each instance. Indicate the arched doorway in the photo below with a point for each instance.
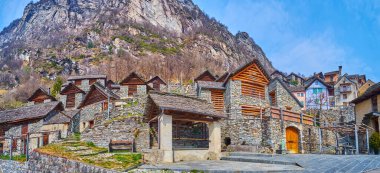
(292, 137)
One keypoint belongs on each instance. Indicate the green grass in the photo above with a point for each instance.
(19, 158)
(89, 153)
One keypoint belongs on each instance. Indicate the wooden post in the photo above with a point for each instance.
(10, 149)
(356, 139)
(27, 146)
(320, 140)
(367, 137)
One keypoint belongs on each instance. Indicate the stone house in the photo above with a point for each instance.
(71, 96)
(359, 79)
(367, 107)
(365, 86)
(98, 101)
(281, 97)
(295, 79)
(317, 94)
(263, 114)
(40, 96)
(280, 75)
(157, 83)
(85, 81)
(132, 85)
(205, 76)
(183, 128)
(345, 90)
(17, 124)
(300, 93)
(67, 122)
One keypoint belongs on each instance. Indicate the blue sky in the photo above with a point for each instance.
(296, 35)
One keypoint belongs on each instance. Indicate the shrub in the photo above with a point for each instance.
(57, 86)
(374, 142)
(90, 45)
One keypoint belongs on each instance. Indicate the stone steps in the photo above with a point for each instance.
(248, 154)
(258, 160)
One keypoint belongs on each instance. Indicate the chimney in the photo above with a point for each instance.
(340, 70)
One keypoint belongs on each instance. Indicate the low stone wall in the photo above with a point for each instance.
(119, 128)
(12, 166)
(45, 163)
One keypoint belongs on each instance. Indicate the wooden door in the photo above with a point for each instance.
(45, 139)
(292, 137)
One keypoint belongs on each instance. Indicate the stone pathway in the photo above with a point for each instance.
(309, 163)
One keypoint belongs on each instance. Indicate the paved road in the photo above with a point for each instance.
(309, 163)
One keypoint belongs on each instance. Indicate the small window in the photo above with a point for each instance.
(105, 106)
(344, 96)
(92, 124)
(78, 82)
(302, 95)
(374, 104)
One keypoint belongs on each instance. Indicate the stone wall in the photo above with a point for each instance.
(9, 166)
(283, 97)
(119, 128)
(41, 163)
(205, 95)
(141, 90)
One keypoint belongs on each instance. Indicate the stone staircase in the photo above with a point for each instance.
(258, 158)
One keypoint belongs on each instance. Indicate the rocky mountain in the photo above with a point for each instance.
(171, 38)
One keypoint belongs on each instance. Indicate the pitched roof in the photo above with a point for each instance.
(70, 89)
(314, 78)
(29, 112)
(63, 117)
(103, 90)
(175, 102)
(287, 90)
(236, 71)
(223, 77)
(210, 85)
(157, 78)
(332, 72)
(296, 88)
(131, 76)
(41, 91)
(205, 74)
(278, 72)
(87, 77)
(295, 75)
(371, 91)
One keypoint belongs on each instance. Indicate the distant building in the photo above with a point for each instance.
(132, 85)
(332, 77)
(40, 96)
(345, 90)
(157, 83)
(205, 76)
(300, 93)
(317, 94)
(365, 86)
(295, 79)
(85, 81)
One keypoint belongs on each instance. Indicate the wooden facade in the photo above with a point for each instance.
(132, 81)
(205, 76)
(217, 99)
(249, 110)
(253, 81)
(93, 96)
(156, 82)
(40, 95)
(70, 90)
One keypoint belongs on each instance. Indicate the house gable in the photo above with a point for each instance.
(71, 89)
(253, 80)
(40, 95)
(205, 76)
(133, 79)
(96, 94)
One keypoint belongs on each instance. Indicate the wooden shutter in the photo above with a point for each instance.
(249, 110)
(14, 144)
(132, 89)
(217, 99)
(45, 139)
(253, 81)
(70, 101)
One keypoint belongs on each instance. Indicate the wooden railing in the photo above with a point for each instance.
(286, 115)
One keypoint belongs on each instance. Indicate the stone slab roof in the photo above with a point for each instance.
(296, 88)
(175, 102)
(29, 112)
(63, 117)
(210, 85)
(87, 77)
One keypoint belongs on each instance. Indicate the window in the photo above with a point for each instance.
(105, 106)
(374, 104)
(302, 103)
(344, 96)
(78, 82)
(70, 101)
(92, 124)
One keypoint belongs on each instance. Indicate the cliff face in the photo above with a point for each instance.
(172, 38)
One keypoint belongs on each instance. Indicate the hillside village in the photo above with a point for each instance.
(246, 109)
